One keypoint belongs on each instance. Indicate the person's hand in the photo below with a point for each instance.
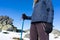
(24, 16)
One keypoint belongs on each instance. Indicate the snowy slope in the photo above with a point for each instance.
(54, 37)
(6, 35)
(9, 35)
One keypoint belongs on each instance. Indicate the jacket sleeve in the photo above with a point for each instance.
(28, 18)
(50, 11)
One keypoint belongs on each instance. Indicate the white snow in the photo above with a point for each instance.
(52, 37)
(11, 35)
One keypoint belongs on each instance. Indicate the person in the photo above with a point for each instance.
(41, 20)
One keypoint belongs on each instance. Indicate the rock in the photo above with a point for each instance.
(6, 23)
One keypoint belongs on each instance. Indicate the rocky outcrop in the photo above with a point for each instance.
(6, 23)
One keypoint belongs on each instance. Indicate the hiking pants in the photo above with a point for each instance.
(37, 32)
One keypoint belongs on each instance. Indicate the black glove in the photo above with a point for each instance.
(24, 16)
(48, 27)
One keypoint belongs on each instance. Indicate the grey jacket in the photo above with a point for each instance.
(43, 11)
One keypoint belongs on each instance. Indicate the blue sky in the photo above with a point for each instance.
(15, 8)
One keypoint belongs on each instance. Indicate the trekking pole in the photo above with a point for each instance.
(22, 29)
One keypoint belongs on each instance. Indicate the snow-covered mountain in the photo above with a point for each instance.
(8, 35)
